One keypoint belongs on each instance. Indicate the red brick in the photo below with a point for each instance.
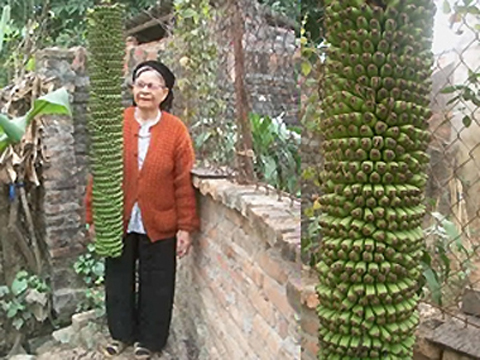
(307, 355)
(273, 265)
(212, 233)
(228, 251)
(238, 277)
(223, 329)
(248, 242)
(226, 228)
(269, 335)
(309, 323)
(291, 349)
(264, 307)
(254, 272)
(219, 260)
(283, 328)
(235, 217)
(309, 295)
(310, 344)
(258, 345)
(202, 242)
(278, 296)
(220, 295)
(242, 313)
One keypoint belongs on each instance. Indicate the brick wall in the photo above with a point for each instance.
(309, 322)
(64, 177)
(238, 293)
(270, 79)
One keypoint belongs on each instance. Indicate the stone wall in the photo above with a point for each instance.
(63, 180)
(442, 336)
(238, 292)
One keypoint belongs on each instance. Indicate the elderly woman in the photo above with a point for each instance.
(159, 216)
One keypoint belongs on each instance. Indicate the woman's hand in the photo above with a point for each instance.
(184, 242)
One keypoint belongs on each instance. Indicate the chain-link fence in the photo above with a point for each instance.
(452, 263)
(237, 88)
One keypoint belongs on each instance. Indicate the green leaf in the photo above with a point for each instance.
(3, 24)
(99, 269)
(30, 66)
(467, 121)
(19, 286)
(4, 290)
(91, 248)
(433, 285)
(306, 68)
(18, 323)
(452, 100)
(13, 131)
(12, 309)
(473, 76)
(476, 101)
(202, 138)
(451, 89)
(188, 13)
(270, 168)
(447, 9)
(22, 274)
(451, 230)
(54, 103)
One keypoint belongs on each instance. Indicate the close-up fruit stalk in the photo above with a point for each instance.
(374, 124)
(106, 48)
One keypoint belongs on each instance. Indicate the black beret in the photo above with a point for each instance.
(159, 67)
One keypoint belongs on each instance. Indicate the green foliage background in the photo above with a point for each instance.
(36, 24)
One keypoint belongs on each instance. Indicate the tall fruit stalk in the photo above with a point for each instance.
(106, 48)
(374, 122)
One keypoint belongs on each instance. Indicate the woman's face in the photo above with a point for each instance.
(149, 90)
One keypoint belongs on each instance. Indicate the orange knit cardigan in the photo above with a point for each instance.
(163, 187)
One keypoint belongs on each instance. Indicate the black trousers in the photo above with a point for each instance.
(144, 315)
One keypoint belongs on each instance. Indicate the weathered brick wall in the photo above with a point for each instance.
(309, 322)
(451, 336)
(269, 69)
(269, 50)
(238, 292)
(63, 178)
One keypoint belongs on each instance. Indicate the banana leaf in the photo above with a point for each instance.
(53, 103)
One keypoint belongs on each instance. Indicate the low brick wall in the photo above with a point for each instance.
(310, 322)
(238, 293)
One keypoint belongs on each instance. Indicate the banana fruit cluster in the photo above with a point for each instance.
(105, 123)
(375, 126)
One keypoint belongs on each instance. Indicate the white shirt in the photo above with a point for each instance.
(136, 224)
